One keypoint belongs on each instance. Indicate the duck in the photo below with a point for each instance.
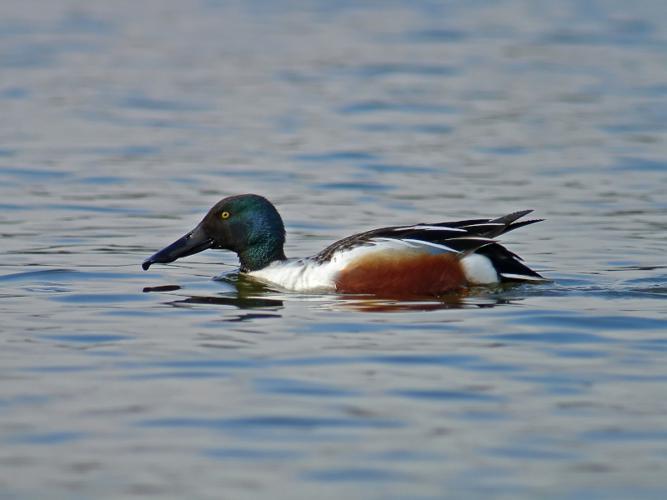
(424, 259)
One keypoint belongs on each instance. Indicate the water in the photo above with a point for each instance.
(122, 122)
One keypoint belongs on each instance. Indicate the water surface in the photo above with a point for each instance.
(124, 122)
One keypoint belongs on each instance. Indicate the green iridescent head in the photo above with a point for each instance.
(247, 224)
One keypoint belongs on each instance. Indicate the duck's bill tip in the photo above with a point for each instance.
(164, 256)
(194, 242)
(155, 259)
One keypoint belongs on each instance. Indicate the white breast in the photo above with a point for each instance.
(298, 275)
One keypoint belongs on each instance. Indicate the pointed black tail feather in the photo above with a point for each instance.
(509, 265)
(508, 222)
(517, 225)
(509, 218)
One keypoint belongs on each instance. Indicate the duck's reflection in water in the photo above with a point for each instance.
(162, 288)
(242, 294)
(466, 299)
(239, 301)
(246, 293)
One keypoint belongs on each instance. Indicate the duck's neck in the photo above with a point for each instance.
(259, 256)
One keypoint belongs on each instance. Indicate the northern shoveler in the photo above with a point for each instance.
(422, 259)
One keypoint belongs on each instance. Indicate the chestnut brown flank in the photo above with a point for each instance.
(408, 273)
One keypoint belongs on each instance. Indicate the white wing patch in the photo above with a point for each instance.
(485, 224)
(481, 239)
(430, 228)
(442, 248)
(387, 243)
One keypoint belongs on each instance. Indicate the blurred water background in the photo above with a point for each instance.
(123, 122)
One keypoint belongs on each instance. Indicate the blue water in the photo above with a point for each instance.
(123, 122)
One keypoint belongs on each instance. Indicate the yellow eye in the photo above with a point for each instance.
(224, 215)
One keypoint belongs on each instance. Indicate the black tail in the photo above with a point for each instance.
(508, 265)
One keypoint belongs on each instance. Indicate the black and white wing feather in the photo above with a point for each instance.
(459, 237)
